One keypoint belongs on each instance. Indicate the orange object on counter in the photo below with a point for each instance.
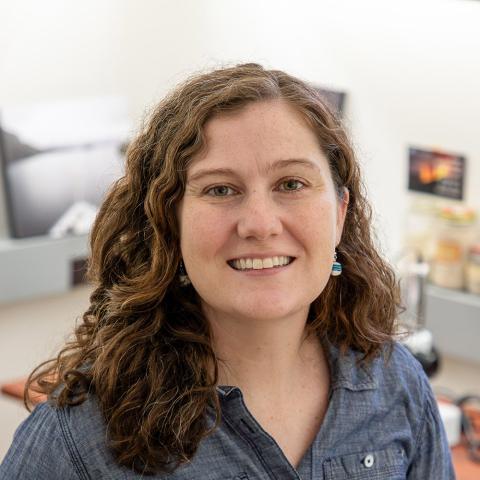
(16, 388)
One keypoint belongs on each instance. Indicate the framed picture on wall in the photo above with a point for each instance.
(436, 172)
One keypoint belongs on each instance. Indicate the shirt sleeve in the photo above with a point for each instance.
(38, 450)
(432, 458)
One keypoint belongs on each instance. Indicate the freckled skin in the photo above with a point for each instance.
(252, 209)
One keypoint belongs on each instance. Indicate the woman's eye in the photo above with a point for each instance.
(220, 191)
(291, 185)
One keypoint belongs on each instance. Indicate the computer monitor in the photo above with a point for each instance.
(58, 159)
(334, 99)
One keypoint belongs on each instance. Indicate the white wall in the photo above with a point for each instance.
(410, 68)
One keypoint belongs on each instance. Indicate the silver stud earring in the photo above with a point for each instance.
(182, 275)
(336, 267)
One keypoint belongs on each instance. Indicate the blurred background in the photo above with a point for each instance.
(77, 78)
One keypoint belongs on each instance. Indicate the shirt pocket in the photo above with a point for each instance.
(387, 464)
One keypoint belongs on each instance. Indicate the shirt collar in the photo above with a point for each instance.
(347, 370)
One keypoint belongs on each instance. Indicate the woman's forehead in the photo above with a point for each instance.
(261, 133)
(277, 113)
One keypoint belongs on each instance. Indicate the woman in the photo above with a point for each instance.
(241, 325)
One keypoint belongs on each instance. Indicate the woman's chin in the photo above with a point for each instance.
(264, 305)
(267, 311)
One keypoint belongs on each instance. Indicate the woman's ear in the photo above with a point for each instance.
(342, 207)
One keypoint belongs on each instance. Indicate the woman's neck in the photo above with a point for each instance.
(282, 372)
(268, 359)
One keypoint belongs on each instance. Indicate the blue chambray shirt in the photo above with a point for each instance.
(382, 423)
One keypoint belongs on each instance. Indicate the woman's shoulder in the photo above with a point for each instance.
(397, 364)
(392, 363)
(398, 375)
(394, 371)
(407, 391)
(38, 449)
(57, 443)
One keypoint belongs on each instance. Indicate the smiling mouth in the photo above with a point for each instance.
(260, 263)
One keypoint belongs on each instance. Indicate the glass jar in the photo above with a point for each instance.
(452, 239)
(419, 224)
(473, 269)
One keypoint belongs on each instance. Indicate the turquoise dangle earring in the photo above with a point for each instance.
(336, 267)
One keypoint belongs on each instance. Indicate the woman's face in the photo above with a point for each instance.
(259, 195)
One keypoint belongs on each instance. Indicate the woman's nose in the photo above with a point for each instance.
(259, 217)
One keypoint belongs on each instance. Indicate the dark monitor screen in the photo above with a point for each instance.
(58, 159)
(334, 99)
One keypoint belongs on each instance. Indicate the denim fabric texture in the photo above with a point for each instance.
(382, 423)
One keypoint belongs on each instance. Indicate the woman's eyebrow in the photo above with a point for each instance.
(303, 162)
(273, 166)
(211, 171)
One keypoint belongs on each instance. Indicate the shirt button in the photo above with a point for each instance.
(369, 460)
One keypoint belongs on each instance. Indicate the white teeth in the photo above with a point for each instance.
(259, 263)
(267, 262)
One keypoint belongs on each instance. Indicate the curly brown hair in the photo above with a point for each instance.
(144, 346)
